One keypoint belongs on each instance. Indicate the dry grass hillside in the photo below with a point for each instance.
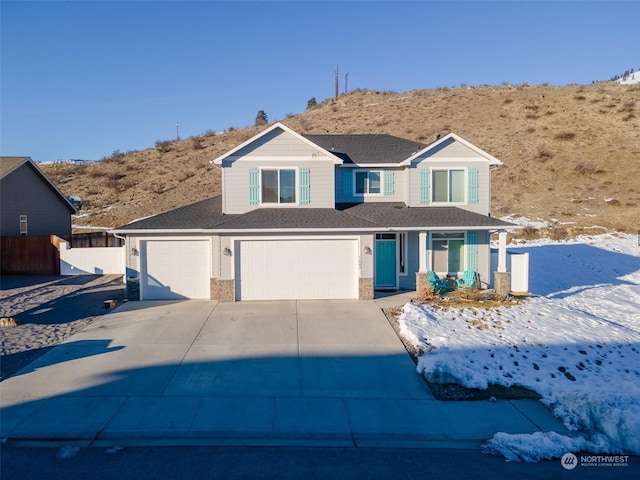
(571, 154)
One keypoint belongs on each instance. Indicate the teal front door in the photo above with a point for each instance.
(385, 263)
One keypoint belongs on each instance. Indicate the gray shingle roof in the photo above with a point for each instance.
(207, 215)
(367, 148)
(398, 215)
(294, 218)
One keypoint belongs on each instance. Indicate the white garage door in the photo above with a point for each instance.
(296, 269)
(175, 269)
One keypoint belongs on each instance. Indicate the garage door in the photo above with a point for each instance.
(175, 269)
(296, 269)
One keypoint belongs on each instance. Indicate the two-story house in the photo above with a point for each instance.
(322, 217)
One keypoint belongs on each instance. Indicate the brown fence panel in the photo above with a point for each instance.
(95, 239)
(30, 255)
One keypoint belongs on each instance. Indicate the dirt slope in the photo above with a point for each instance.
(571, 154)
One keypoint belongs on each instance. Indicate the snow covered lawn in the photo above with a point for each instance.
(576, 342)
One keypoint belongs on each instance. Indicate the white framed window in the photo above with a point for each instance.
(402, 253)
(367, 182)
(448, 185)
(447, 250)
(23, 224)
(278, 186)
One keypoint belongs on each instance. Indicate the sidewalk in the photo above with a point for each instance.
(254, 373)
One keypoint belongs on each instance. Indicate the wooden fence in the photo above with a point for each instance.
(95, 239)
(30, 255)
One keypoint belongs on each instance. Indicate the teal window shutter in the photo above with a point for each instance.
(472, 251)
(254, 186)
(347, 182)
(388, 182)
(305, 186)
(425, 174)
(473, 185)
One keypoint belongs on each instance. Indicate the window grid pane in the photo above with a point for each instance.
(440, 186)
(374, 182)
(269, 186)
(361, 182)
(287, 186)
(456, 192)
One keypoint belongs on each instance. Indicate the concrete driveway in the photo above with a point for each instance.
(289, 372)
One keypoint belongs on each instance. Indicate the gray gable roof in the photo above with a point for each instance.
(367, 148)
(202, 215)
(207, 215)
(398, 215)
(8, 165)
(295, 218)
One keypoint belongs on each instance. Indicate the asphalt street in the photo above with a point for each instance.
(283, 463)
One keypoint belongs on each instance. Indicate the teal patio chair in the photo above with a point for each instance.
(438, 285)
(470, 279)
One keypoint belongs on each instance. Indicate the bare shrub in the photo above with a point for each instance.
(544, 154)
(427, 295)
(507, 101)
(584, 168)
(196, 143)
(163, 146)
(579, 97)
(558, 233)
(565, 136)
(529, 233)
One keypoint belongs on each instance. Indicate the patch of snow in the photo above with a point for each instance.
(576, 341)
(526, 222)
(538, 446)
(630, 79)
(89, 227)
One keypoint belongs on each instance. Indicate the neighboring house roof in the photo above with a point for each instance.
(11, 164)
(206, 215)
(365, 149)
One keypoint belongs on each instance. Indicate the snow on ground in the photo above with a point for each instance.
(630, 79)
(576, 341)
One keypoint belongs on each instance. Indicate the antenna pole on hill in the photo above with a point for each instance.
(346, 82)
(177, 131)
(337, 80)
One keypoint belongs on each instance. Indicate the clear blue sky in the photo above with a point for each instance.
(83, 79)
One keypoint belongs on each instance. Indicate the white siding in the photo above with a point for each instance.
(236, 187)
(275, 143)
(484, 259)
(366, 260)
(408, 281)
(483, 206)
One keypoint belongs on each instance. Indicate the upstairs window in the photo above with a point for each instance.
(278, 185)
(447, 186)
(367, 182)
(23, 224)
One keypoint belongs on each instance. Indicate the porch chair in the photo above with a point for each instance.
(438, 285)
(470, 279)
